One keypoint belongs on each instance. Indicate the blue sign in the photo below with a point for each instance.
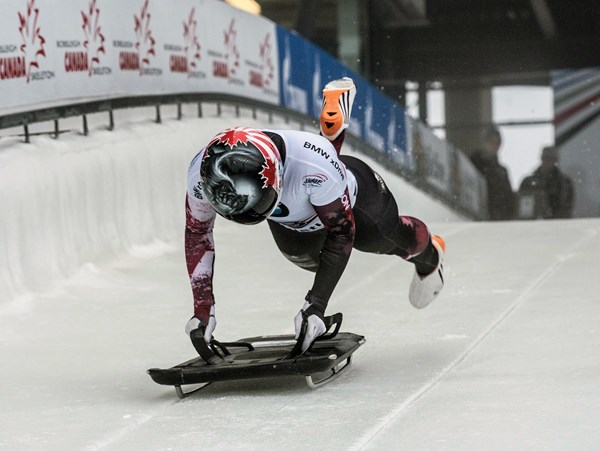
(304, 71)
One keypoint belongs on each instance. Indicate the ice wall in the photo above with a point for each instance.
(69, 201)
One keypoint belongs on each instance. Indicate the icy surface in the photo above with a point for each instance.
(93, 291)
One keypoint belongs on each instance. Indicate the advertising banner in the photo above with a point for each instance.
(27, 73)
(432, 157)
(577, 134)
(305, 69)
(576, 100)
(60, 51)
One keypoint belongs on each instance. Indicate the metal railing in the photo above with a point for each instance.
(56, 113)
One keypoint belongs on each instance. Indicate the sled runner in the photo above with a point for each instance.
(262, 357)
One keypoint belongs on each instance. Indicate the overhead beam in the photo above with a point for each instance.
(430, 60)
(544, 17)
(401, 13)
(541, 78)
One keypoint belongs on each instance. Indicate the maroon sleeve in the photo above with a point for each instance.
(200, 256)
(338, 219)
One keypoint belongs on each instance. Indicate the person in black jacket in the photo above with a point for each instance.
(501, 199)
(547, 193)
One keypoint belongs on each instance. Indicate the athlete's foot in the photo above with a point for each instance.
(425, 288)
(338, 97)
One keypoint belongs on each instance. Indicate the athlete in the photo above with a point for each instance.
(318, 205)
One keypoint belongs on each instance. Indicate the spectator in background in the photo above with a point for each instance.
(547, 193)
(501, 199)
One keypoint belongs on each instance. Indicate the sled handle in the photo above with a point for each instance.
(202, 348)
(210, 352)
(330, 321)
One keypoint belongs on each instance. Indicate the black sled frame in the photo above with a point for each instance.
(263, 357)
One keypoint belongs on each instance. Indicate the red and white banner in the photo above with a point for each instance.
(577, 134)
(61, 51)
(576, 100)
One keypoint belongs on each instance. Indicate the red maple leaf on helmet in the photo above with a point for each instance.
(269, 174)
(270, 153)
(231, 137)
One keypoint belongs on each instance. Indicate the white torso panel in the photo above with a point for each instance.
(312, 175)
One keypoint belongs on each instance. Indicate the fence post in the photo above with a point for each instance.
(158, 118)
(26, 131)
(199, 109)
(56, 129)
(85, 125)
(111, 120)
(179, 113)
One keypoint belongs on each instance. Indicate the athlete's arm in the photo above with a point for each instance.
(338, 220)
(200, 254)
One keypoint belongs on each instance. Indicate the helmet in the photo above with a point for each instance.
(241, 175)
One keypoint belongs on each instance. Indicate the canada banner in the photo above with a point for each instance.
(55, 52)
(59, 52)
(216, 48)
(25, 67)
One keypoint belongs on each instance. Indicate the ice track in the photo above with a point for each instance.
(506, 358)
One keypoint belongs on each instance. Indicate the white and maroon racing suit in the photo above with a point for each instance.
(328, 205)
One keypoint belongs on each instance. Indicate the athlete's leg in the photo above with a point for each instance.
(302, 249)
(379, 228)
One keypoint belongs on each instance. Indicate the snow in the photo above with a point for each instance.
(93, 291)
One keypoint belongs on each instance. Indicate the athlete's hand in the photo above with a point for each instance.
(314, 315)
(208, 324)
